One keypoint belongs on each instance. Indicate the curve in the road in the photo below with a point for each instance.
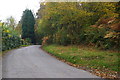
(32, 62)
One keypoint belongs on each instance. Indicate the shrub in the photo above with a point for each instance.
(10, 40)
(62, 38)
(47, 40)
(101, 37)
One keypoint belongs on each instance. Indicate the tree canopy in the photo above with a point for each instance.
(77, 22)
(27, 23)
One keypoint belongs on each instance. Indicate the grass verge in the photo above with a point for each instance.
(101, 63)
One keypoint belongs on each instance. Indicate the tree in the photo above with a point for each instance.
(54, 18)
(18, 28)
(118, 9)
(28, 22)
(70, 22)
(11, 22)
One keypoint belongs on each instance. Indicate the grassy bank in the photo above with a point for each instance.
(102, 61)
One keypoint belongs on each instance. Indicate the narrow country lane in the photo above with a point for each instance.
(32, 62)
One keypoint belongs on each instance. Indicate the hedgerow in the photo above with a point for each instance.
(10, 39)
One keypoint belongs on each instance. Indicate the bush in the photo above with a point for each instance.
(112, 40)
(102, 38)
(10, 40)
(47, 40)
(62, 38)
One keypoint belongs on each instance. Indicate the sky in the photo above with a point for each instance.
(15, 8)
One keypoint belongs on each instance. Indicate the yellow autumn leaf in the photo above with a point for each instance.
(7, 31)
(0, 24)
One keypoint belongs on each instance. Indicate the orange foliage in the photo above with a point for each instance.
(45, 40)
(106, 21)
(93, 26)
(115, 26)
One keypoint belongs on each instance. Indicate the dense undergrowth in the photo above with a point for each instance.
(10, 38)
(75, 23)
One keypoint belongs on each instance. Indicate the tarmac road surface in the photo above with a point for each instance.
(33, 62)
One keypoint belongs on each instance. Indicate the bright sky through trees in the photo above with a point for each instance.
(15, 8)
